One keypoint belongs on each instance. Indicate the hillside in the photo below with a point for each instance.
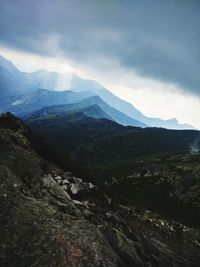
(153, 167)
(74, 222)
(98, 142)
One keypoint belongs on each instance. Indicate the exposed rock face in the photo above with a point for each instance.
(49, 217)
(40, 225)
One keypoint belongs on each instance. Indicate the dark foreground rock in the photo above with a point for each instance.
(50, 218)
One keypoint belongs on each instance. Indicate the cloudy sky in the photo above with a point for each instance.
(145, 51)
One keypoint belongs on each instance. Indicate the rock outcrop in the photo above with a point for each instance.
(49, 217)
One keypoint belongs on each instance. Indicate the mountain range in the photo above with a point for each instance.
(85, 180)
(91, 103)
(21, 93)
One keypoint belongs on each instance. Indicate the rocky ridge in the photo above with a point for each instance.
(49, 217)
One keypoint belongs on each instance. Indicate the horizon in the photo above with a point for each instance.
(62, 68)
(99, 133)
(148, 57)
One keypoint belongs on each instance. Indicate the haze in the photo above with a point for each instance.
(146, 52)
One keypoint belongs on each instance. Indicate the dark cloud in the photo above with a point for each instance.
(157, 39)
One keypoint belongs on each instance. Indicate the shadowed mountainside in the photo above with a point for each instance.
(49, 217)
(152, 167)
(93, 141)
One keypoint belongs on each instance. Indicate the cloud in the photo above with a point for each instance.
(156, 39)
(152, 97)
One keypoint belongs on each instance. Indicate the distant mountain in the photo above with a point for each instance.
(53, 80)
(117, 116)
(13, 82)
(62, 101)
(93, 111)
(31, 101)
(10, 78)
(93, 101)
(131, 111)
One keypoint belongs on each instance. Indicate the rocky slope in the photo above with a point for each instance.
(49, 217)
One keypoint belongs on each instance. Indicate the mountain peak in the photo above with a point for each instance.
(7, 64)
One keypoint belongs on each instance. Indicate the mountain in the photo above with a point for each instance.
(131, 111)
(117, 116)
(106, 111)
(53, 80)
(100, 143)
(152, 167)
(25, 103)
(50, 217)
(55, 101)
(16, 83)
(10, 78)
(93, 111)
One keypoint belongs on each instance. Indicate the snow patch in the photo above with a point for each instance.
(17, 102)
